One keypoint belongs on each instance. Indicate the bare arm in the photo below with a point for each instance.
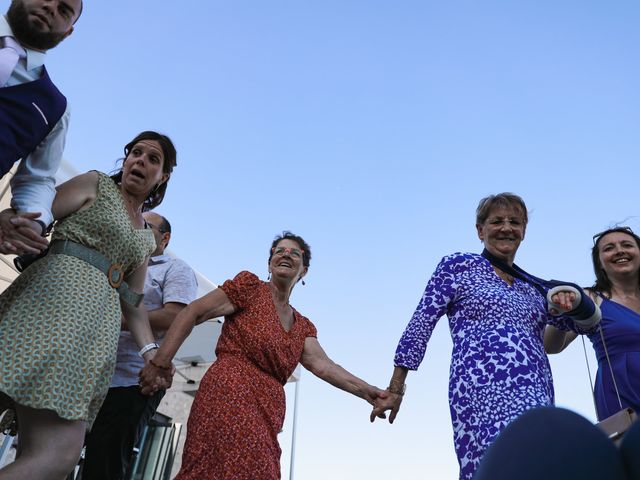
(136, 317)
(213, 304)
(161, 318)
(556, 340)
(317, 362)
(75, 194)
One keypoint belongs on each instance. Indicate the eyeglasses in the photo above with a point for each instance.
(598, 236)
(292, 252)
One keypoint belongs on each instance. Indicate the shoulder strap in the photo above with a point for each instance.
(516, 271)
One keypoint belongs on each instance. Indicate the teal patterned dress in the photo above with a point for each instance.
(60, 319)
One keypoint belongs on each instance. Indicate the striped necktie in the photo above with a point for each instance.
(9, 56)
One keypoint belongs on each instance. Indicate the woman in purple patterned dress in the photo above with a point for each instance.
(498, 368)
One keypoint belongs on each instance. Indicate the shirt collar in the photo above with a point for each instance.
(159, 259)
(35, 58)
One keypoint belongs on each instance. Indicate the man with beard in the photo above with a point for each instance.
(33, 117)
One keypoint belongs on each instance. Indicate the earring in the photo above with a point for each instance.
(303, 284)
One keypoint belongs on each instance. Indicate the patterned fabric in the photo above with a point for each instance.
(240, 406)
(498, 366)
(621, 329)
(60, 319)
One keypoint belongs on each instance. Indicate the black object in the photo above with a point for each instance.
(21, 262)
(551, 443)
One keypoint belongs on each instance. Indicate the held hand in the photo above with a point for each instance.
(372, 394)
(21, 233)
(154, 377)
(391, 401)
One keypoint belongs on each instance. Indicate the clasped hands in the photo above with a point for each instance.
(20, 233)
(384, 400)
(154, 377)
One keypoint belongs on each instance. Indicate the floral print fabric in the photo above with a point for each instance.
(240, 405)
(498, 368)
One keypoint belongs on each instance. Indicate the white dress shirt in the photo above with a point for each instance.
(33, 187)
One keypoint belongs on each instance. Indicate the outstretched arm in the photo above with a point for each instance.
(317, 362)
(213, 304)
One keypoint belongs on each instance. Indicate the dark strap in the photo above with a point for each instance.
(113, 271)
(517, 272)
(584, 310)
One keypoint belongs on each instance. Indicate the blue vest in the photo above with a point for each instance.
(28, 112)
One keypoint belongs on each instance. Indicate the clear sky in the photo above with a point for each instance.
(372, 128)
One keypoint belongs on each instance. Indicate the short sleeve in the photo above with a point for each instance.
(180, 283)
(312, 331)
(241, 289)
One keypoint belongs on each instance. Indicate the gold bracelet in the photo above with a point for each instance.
(161, 367)
(396, 388)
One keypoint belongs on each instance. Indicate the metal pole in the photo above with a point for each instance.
(293, 430)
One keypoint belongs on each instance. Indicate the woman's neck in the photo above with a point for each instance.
(132, 202)
(625, 290)
(280, 290)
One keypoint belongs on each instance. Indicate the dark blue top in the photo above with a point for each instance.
(28, 112)
(621, 329)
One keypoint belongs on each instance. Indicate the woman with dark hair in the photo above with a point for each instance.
(616, 263)
(60, 319)
(498, 367)
(240, 405)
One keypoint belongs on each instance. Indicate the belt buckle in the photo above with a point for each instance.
(115, 275)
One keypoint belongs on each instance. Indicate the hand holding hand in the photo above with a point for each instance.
(390, 401)
(20, 233)
(372, 394)
(154, 377)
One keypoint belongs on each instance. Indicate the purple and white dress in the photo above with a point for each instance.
(498, 367)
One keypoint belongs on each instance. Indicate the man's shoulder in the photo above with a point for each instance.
(173, 266)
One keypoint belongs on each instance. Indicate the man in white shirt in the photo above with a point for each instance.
(169, 286)
(34, 116)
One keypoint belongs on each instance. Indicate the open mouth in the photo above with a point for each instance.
(622, 260)
(137, 173)
(285, 264)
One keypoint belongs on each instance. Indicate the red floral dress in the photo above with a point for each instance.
(240, 406)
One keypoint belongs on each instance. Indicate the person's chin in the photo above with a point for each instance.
(505, 252)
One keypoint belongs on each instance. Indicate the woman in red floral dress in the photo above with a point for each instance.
(240, 406)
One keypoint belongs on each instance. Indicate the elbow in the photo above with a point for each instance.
(553, 347)
(319, 369)
(186, 319)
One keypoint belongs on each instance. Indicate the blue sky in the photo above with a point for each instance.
(372, 129)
